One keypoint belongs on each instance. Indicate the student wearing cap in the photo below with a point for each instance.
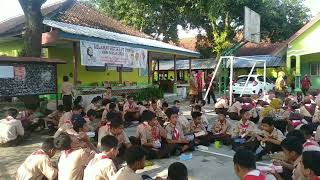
(101, 166)
(38, 165)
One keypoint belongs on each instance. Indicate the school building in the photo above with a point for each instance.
(70, 26)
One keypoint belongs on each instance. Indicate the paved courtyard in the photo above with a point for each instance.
(214, 164)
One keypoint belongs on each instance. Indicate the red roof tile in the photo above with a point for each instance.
(72, 12)
(264, 48)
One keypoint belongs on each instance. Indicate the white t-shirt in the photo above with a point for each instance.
(10, 129)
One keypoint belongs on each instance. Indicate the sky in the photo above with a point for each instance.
(11, 8)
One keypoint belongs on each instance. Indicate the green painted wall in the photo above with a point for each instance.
(88, 77)
(305, 50)
(11, 48)
(306, 43)
(306, 60)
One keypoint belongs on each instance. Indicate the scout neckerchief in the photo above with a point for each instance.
(154, 133)
(220, 127)
(38, 152)
(270, 135)
(67, 152)
(244, 127)
(176, 134)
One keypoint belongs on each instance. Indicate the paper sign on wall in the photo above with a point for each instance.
(19, 73)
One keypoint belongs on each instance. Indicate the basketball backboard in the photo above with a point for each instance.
(251, 25)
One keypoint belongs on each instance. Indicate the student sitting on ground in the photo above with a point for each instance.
(317, 135)
(154, 107)
(221, 130)
(310, 142)
(12, 132)
(101, 167)
(76, 132)
(198, 128)
(67, 116)
(234, 109)
(90, 118)
(204, 120)
(270, 139)
(135, 158)
(71, 162)
(108, 93)
(150, 134)
(38, 165)
(292, 148)
(53, 118)
(176, 171)
(295, 118)
(29, 120)
(307, 110)
(175, 133)
(244, 133)
(279, 115)
(115, 128)
(222, 105)
(94, 105)
(131, 111)
(245, 166)
(316, 116)
(311, 161)
(162, 118)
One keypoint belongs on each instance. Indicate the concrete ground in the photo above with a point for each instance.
(213, 164)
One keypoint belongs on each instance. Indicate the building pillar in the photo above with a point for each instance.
(75, 62)
(298, 73)
(288, 63)
(149, 60)
(175, 68)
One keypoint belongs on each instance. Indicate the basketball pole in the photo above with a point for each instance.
(245, 85)
(231, 80)
(212, 78)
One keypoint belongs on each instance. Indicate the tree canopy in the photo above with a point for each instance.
(221, 19)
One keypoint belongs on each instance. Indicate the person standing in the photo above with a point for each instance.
(66, 92)
(305, 84)
(193, 91)
(211, 91)
(199, 84)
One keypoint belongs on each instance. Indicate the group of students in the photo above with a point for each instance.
(163, 132)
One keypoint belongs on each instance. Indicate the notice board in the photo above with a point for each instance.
(27, 79)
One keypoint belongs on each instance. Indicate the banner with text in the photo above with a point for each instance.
(99, 54)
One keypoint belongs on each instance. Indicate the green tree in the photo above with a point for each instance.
(221, 19)
(33, 27)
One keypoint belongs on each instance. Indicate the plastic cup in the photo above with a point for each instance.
(217, 144)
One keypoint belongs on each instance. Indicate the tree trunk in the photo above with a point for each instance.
(33, 27)
(32, 37)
